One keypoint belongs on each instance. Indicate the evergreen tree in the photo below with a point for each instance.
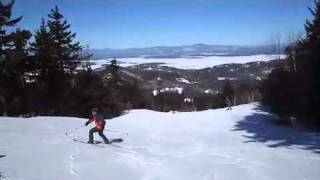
(311, 55)
(297, 92)
(19, 57)
(113, 68)
(5, 22)
(66, 51)
(114, 84)
(48, 91)
(13, 57)
(307, 75)
(42, 49)
(18, 52)
(57, 57)
(6, 40)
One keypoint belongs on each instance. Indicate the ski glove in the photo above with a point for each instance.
(87, 123)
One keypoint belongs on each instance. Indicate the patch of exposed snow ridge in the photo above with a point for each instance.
(183, 80)
(179, 90)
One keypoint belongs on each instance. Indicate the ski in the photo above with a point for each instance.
(84, 142)
(116, 140)
(100, 143)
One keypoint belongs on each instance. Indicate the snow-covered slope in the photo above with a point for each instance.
(190, 63)
(208, 145)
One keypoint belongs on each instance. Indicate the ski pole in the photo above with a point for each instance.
(74, 130)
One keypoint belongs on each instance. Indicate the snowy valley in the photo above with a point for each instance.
(194, 76)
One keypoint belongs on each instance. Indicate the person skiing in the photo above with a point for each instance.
(100, 124)
(228, 102)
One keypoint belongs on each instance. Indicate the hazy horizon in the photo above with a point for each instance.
(182, 45)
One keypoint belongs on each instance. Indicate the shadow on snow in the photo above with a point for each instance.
(261, 128)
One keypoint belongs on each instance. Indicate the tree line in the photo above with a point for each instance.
(293, 91)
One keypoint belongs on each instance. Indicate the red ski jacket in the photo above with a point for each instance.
(98, 120)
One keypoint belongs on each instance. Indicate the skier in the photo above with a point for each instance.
(228, 102)
(100, 124)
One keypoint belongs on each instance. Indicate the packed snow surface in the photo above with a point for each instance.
(241, 144)
(190, 63)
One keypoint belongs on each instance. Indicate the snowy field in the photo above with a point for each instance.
(190, 63)
(210, 145)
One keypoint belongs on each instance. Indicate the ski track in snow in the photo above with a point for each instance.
(72, 165)
(206, 145)
(73, 161)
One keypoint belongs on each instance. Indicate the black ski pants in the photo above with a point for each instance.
(100, 131)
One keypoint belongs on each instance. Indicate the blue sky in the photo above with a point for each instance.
(144, 23)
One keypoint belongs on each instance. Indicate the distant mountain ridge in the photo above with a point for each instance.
(183, 51)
